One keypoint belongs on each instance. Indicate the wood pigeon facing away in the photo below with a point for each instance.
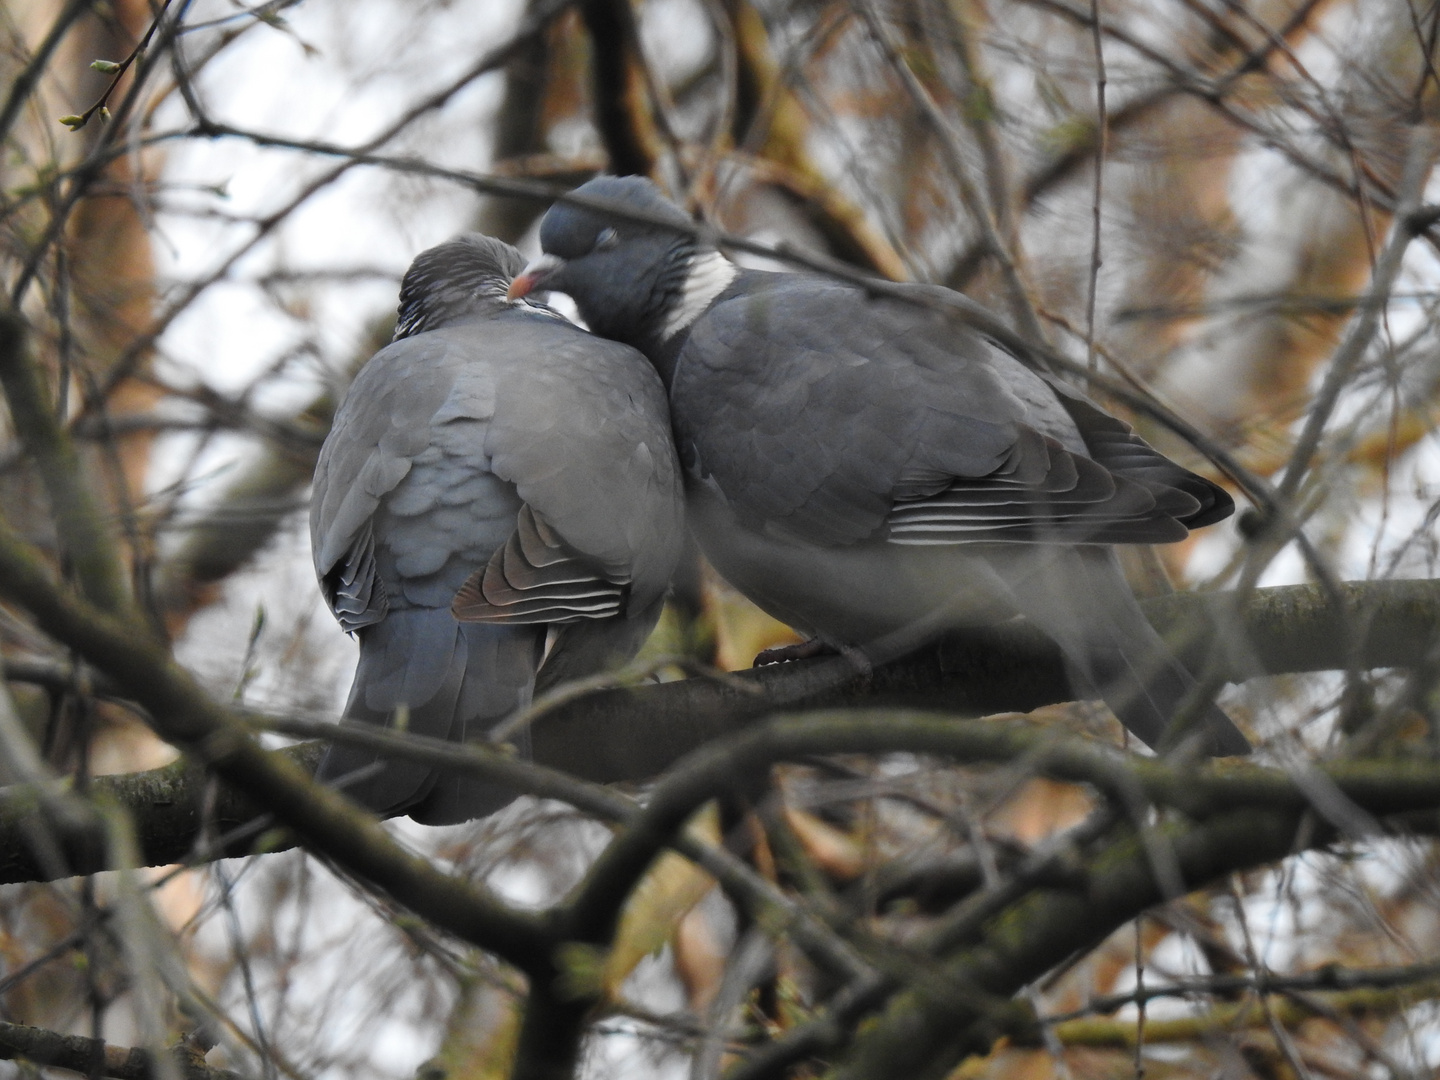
(871, 471)
(500, 459)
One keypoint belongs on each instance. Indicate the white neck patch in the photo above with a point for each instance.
(526, 304)
(710, 274)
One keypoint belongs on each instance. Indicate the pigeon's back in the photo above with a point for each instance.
(447, 443)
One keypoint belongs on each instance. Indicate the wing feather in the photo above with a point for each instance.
(535, 577)
(1075, 500)
(831, 417)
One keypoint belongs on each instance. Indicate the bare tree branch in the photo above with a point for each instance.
(91, 1057)
(926, 1028)
(637, 733)
(82, 536)
(186, 716)
(1330, 977)
(1226, 1020)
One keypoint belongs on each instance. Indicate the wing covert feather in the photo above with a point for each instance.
(585, 440)
(830, 416)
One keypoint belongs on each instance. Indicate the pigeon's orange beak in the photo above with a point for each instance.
(532, 276)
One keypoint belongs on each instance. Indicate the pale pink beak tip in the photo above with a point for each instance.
(521, 286)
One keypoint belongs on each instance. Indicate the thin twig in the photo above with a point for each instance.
(1102, 127)
(1329, 977)
(116, 72)
(1018, 292)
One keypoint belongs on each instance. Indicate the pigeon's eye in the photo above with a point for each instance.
(608, 238)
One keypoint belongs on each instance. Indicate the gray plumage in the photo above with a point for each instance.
(872, 471)
(484, 424)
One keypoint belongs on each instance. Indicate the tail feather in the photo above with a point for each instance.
(499, 679)
(452, 681)
(587, 647)
(1080, 598)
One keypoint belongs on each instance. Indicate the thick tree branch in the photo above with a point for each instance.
(173, 808)
(622, 107)
(637, 733)
(962, 1007)
(923, 1031)
(741, 763)
(91, 1057)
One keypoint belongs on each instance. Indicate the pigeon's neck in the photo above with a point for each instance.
(664, 345)
(708, 275)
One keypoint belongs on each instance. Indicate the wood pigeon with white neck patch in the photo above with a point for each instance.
(496, 479)
(871, 470)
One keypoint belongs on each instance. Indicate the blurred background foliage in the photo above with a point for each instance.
(1191, 196)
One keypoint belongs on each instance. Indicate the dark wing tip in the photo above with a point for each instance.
(1047, 494)
(1216, 504)
(1117, 446)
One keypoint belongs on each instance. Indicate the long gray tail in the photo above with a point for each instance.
(1081, 599)
(452, 681)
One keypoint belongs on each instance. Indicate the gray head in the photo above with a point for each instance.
(455, 279)
(626, 276)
